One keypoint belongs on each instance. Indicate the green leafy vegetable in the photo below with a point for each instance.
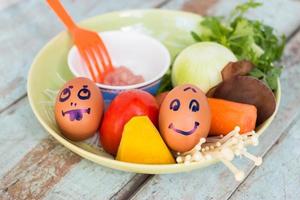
(248, 39)
(243, 8)
(166, 83)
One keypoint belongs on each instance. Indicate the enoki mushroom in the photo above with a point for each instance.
(223, 148)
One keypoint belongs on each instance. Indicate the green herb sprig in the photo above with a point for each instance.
(248, 39)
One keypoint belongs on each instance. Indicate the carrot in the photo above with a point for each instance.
(228, 114)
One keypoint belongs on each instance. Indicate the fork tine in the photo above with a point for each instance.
(87, 62)
(96, 65)
(104, 49)
(98, 52)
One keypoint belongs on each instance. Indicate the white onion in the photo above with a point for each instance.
(201, 64)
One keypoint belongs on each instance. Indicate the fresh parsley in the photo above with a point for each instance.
(248, 39)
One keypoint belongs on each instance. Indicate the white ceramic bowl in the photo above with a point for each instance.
(142, 54)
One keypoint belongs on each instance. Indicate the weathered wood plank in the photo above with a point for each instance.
(25, 28)
(291, 60)
(38, 171)
(280, 168)
(32, 163)
(19, 133)
(207, 181)
(41, 162)
(196, 6)
(292, 55)
(283, 15)
(132, 186)
(79, 169)
(137, 182)
(215, 7)
(6, 3)
(88, 180)
(33, 33)
(216, 182)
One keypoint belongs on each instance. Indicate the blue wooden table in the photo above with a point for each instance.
(35, 166)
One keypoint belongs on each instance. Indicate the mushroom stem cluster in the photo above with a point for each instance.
(224, 148)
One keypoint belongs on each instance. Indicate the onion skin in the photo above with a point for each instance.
(201, 64)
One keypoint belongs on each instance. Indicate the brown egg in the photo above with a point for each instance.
(184, 117)
(79, 108)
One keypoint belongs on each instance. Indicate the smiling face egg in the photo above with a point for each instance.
(79, 108)
(184, 117)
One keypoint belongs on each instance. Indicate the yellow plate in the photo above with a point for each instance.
(49, 71)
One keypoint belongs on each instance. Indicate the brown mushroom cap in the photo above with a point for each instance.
(233, 69)
(211, 91)
(249, 90)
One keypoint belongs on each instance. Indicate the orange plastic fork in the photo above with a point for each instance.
(89, 44)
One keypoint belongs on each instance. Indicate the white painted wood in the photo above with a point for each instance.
(5, 3)
(28, 25)
(25, 152)
(196, 6)
(19, 133)
(88, 180)
(17, 54)
(39, 170)
(211, 182)
(175, 4)
(279, 177)
(216, 182)
(291, 58)
(284, 15)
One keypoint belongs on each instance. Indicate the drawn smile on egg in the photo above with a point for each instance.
(186, 133)
(76, 114)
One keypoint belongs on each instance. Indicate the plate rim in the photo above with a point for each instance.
(112, 163)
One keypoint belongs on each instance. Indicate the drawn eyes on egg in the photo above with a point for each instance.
(193, 105)
(175, 105)
(65, 94)
(84, 93)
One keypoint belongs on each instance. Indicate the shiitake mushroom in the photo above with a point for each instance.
(249, 90)
(233, 69)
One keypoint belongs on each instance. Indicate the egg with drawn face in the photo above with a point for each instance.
(184, 117)
(79, 108)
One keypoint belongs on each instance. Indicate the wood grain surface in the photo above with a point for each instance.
(6, 3)
(38, 171)
(34, 166)
(28, 25)
(280, 171)
(21, 130)
(216, 182)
